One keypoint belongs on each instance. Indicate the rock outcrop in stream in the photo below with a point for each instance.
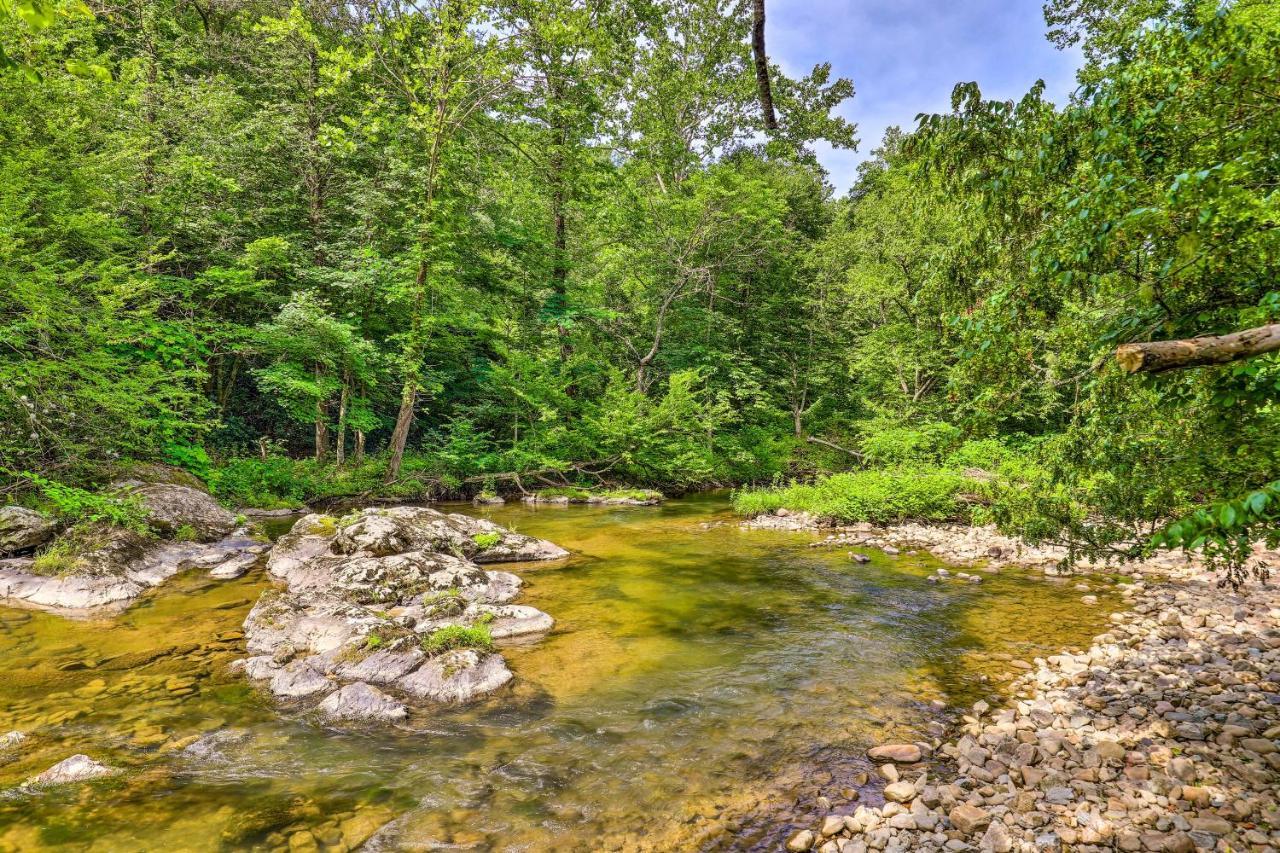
(376, 607)
(108, 567)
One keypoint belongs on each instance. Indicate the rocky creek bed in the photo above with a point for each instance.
(1163, 736)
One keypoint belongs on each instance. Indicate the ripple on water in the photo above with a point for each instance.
(703, 686)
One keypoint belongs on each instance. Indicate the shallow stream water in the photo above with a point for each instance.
(703, 686)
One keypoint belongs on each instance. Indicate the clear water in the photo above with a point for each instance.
(704, 685)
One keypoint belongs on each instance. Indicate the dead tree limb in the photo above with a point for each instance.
(1159, 356)
(855, 454)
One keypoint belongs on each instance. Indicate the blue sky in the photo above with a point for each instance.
(904, 56)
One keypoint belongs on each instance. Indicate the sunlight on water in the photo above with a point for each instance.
(703, 686)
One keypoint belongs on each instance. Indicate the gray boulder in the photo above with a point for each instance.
(23, 529)
(457, 676)
(174, 508)
(109, 567)
(514, 620)
(359, 701)
(384, 666)
(364, 592)
(298, 680)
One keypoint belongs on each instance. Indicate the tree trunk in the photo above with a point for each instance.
(340, 445)
(146, 27)
(762, 67)
(415, 346)
(1159, 356)
(322, 425)
(359, 446)
(314, 176)
(560, 260)
(560, 266)
(400, 435)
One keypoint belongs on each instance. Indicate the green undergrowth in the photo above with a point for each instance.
(923, 473)
(73, 505)
(864, 496)
(278, 482)
(580, 494)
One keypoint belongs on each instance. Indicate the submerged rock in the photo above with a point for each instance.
(77, 768)
(363, 595)
(23, 529)
(213, 746)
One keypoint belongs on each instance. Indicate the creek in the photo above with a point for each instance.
(703, 686)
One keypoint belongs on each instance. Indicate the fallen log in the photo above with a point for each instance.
(860, 457)
(1159, 356)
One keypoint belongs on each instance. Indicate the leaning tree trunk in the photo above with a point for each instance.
(340, 444)
(400, 435)
(322, 424)
(1159, 356)
(762, 67)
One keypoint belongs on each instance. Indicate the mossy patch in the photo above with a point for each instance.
(452, 637)
(324, 525)
(60, 558)
(486, 540)
(89, 547)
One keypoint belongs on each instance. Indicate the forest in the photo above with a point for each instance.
(436, 248)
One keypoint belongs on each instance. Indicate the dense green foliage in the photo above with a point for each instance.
(528, 237)
(463, 246)
(987, 265)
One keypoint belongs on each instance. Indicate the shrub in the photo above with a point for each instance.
(881, 496)
(573, 493)
(900, 445)
(263, 483)
(78, 506)
(986, 454)
(189, 457)
(458, 637)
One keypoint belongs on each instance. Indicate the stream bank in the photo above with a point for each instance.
(1163, 736)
